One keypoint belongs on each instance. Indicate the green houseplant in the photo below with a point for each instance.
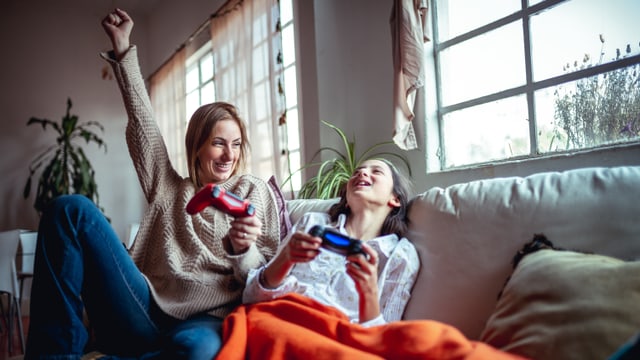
(66, 167)
(333, 173)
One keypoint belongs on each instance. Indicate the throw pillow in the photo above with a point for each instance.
(561, 304)
(285, 221)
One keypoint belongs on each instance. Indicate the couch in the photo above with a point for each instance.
(468, 234)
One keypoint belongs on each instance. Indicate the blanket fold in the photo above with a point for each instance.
(297, 327)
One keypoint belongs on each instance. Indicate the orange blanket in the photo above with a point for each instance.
(297, 327)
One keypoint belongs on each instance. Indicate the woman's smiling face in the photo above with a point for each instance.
(219, 156)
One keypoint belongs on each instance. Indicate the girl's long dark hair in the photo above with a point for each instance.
(396, 222)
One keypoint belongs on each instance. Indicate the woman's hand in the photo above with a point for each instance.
(118, 25)
(364, 272)
(244, 232)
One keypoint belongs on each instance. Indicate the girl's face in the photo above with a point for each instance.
(372, 183)
(219, 156)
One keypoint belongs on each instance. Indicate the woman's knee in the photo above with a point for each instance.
(195, 343)
(76, 200)
(64, 203)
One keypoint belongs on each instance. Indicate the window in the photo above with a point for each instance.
(199, 80)
(291, 123)
(264, 87)
(518, 79)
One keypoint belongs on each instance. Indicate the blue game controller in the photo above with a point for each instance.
(336, 241)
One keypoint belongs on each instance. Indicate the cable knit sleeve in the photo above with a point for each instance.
(146, 145)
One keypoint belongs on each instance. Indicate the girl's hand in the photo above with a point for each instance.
(244, 232)
(118, 25)
(301, 247)
(364, 273)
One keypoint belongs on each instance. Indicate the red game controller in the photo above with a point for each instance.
(222, 200)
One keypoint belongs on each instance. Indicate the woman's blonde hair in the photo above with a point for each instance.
(199, 130)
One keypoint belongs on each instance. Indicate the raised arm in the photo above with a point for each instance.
(144, 139)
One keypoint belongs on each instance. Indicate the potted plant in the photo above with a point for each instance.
(66, 167)
(335, 172)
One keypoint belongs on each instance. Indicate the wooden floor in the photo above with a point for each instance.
(4, 349)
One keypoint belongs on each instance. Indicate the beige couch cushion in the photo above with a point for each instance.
(567, 305)
(466, 234)
(298, 207)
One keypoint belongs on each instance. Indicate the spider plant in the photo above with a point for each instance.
(333, 173)
(66, 167)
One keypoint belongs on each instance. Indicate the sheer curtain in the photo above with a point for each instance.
(246, 42)
(167, 91)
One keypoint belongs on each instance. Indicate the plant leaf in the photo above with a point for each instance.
(332, 174)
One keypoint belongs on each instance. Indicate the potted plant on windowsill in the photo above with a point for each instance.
(335, 172)
(67, 169)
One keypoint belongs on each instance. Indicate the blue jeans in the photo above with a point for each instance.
(81, 264)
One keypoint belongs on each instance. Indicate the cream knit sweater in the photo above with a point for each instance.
(186, 259)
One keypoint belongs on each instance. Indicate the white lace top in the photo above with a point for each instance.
(325, 278)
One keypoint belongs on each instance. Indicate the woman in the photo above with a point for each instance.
(370, 290)
(167, 298)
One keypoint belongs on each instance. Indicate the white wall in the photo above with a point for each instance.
(51, 53)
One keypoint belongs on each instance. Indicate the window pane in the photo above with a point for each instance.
(589, 112)
(206, 67)
(261, 101)
(296, 180)
(208, 93)
(288, 46)
(293, 139)
(192, 79)
(260, 29)
(286, 11)
(456, 17)
(260, 63)
(263, 149)
(290, 87)
(193, 102)
(582, 33)
(472, 136)
(483, 65)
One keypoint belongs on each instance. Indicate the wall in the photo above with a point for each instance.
(51, 54)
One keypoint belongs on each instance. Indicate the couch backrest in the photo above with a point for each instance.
(467, 234)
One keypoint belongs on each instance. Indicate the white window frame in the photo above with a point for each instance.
(435, 110)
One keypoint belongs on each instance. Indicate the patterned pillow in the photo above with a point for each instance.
(285, 221)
